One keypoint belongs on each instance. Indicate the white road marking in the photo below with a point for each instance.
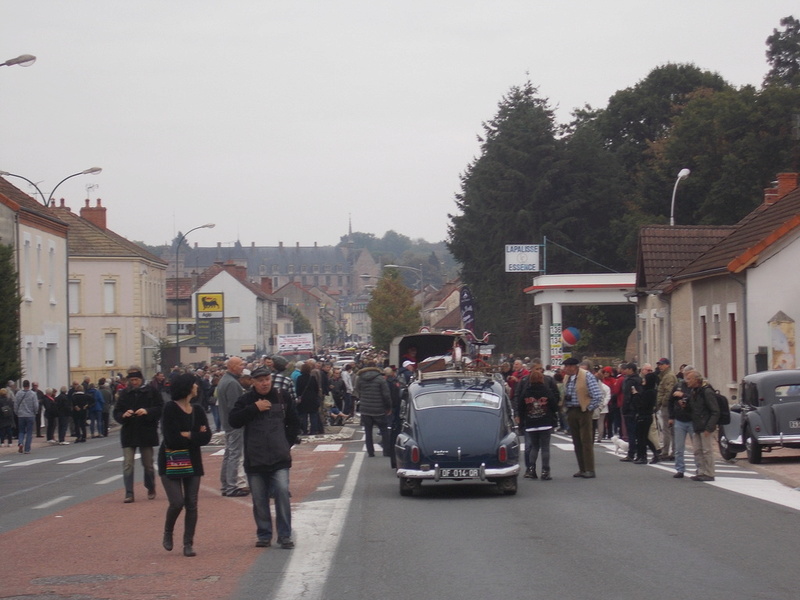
(32, 461)
(79, 460)
(328, 448)
(318, 527)
(50, 503)
(108, 480)
(324, 488)
(121, 458)
(763, 489)
(219, 452)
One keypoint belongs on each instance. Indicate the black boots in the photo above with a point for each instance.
(167, 543)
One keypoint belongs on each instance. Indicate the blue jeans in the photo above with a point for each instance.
(25, 432)
(215, 414)
(680, 430)
(261, 485)
(96, 420)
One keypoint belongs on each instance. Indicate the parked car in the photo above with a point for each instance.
(457, 424)
(767, 415)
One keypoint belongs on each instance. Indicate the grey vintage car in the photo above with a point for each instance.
(767, 415)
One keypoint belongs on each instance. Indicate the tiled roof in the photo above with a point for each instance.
(26, 202)
(88, 240)
(664, 250)
(757, 230)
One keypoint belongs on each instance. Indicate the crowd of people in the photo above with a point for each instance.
(264, 405)
(639, 409)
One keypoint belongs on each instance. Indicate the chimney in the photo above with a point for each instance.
(280, 245)
(266, 285)
(96, 215)
(786, 183)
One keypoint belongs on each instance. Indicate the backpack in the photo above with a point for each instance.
(724, 408)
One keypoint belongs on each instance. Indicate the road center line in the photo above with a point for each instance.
(317, 527)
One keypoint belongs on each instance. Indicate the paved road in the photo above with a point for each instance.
(66, 533)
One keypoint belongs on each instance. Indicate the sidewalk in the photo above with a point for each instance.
(108, 549)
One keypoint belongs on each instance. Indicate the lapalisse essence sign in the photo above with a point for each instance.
(522, 258)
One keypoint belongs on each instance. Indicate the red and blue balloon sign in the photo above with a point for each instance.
(570, 336)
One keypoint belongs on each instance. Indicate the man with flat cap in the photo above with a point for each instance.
(271, 426)
(582, 395)
(138, 410)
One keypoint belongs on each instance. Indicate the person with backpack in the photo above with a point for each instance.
(705, 415)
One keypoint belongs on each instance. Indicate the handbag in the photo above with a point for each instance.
(179, 463)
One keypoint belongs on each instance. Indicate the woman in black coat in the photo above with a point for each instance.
(185, 428)
(308, 403)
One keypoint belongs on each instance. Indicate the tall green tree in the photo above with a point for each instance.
(300, 322)
(506, 194)
(392, 310)
(783, 55)
(10, 363)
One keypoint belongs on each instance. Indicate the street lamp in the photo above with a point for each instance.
(48, 200)
(684, 173)
(416, 270)
(177, 313)
(23, 60)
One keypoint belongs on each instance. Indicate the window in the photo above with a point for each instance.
(74, 297)
(109, 297)
(74, 350)
(110, 349)
(26, 268)
(51, 268)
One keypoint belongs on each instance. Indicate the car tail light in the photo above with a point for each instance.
(502, 454)
(415, 454)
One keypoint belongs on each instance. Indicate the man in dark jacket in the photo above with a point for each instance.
(705, 414)
(271, 426)
(80, 410)
(680, 420)
(138, 410)
(376, 405)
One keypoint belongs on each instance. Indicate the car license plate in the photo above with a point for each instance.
(459, 473)
(794, 424)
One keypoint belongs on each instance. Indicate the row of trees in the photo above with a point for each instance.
(589, 185)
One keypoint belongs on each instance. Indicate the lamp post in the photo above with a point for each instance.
(416, 270)
(684, 173)
(23, 60)
(49, 199)
(177, 312)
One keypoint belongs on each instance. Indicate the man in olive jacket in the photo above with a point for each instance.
(375, 402)
(138, 410)
(705, 414)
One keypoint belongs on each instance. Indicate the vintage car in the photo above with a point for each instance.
(766, 416)
(456, 419)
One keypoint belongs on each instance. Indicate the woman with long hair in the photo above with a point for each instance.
(180, 462)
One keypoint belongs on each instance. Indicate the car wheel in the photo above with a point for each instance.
(753, 448)
(508, 485)
(406, 486)
(724, 448)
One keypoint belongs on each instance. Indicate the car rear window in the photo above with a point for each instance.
(788, 392)
(457, 398)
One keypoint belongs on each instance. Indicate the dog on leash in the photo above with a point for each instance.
(620, 445)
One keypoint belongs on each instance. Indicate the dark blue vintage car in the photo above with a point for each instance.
(457, 423)
(766, 416)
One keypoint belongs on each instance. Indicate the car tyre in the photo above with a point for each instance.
(406, 486)
(508, 485)
(753, 448)
(724, 448)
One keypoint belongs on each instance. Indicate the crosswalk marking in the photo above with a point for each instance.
(79, 460)
(108, 480)
(328, 448)
(27, 463)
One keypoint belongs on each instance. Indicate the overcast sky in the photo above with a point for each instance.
(279, 121)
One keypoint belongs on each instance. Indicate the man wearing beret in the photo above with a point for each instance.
(582, 396)
(271, 426)
(138, 410)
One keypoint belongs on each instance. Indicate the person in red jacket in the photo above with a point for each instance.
(614, 383)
